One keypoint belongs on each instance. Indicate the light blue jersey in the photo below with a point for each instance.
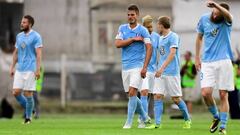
(133, 55)
(26, 45)
(217, 42)
(152, 66)
(165, 44)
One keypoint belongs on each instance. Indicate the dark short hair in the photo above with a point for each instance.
(30, 19)
(225, 5)
(165, 21)
(134, 8)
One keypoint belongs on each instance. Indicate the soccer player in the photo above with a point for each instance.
(168, 74)
(148, 81)
(27, 56)
(216, 66)
(132, 38)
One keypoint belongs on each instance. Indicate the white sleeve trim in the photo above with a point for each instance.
(147, 40)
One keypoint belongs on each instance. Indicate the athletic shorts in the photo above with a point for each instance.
(131, 78)
(148, 82)
(218, 75)
(168, 85)
(24, 81)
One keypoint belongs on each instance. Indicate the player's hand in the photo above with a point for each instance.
(143, 72)
(198, 63)
(37, 74)
(159, 73)
(138, 38)
(211, 4)
(12, 71)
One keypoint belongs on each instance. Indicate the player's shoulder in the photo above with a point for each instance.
(36, 34)
(205, 16)
(173, 35)
(20, 34)
(155, 34)
(123, 26)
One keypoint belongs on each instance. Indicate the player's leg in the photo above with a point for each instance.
(225, 84)
(29, 105)
(158, 91)
(208, 82)
(29, 88)
(18, 85)
(174, 89)
(132, 97)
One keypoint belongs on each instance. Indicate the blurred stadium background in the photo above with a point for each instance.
(81, 62)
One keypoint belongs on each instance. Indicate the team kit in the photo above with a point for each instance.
(150, 64)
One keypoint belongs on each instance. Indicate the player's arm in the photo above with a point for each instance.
(147, 59)
(120, 43)
(198, 48)
(14, 62)
(39, 60)
(170, 57)
(227, 15)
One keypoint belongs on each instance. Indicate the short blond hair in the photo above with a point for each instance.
(147, 19)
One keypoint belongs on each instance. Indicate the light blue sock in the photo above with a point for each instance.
(29, 107)
(132, 105)
(158, 110)
(183, 108)
(223, 119)
(144, 100)
(140, 110)
(21, 100)
(214, 111)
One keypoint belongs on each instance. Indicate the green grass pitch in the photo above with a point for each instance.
(106, 124)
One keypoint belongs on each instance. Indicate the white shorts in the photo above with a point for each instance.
(148, 82)
(168, 85)
(24, 81)
(131, 78)
(218, 74)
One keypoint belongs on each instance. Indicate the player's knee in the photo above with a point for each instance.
(206, 93)
(132, 92)
(158, 97)
(176, 100)
(223, 95)
(16, 92)
(144, 93)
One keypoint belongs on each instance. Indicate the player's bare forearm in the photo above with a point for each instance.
(169, 58)
(227, 15)
(198, 44)
(123, 43)
(39, 57)
(148, 55)
(15, 58)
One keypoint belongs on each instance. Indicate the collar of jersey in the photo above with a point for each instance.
(28, 32)
(167, 34)
(133, 28)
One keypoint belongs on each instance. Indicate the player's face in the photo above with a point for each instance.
(216, 16)
(149, 26)
(132, 17)
(160, 28)
(187, 56)
(25, 25)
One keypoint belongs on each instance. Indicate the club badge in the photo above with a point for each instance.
(23, 45)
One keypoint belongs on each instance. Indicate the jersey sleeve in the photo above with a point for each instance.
(38, 42)
(120, 34)
(174, 41)
(146, 36)
(200, 28)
